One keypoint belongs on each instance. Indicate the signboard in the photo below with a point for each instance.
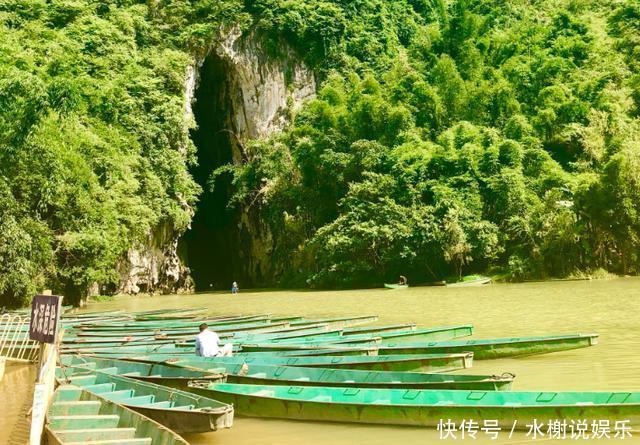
(45, 313)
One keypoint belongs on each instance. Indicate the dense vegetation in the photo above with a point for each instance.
(451, 136)
(447, 136)
(93, 138)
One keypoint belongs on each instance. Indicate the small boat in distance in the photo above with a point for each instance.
(471, 280)
(395, 286)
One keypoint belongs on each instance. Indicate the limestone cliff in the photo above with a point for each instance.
(261, 92)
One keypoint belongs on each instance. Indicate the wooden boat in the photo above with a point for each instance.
(380, 329)
(178, 410)
(345, 343)
(414, 335)
(417, 363)
(396, 286)
(471, 281)
(150, 339)
(255, 374)
(425, 407)
(190, 331)
(160, 374)
(496, 348)
(146, 325)
(332, 341)
(369, 350)
(169, 314)
(77, 416)
(339, 322)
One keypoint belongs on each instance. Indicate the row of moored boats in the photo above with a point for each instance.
(136, 378)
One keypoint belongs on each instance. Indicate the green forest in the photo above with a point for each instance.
(447, 137)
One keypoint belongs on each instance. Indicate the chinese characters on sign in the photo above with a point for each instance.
(553, 429)
(45, 312)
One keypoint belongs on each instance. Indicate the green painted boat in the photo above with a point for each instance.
(169, 314)
(126, 350)
(472, 280)
(139, 326)
(496, 348)
(369, 350)
(425, 407)
(71, 343)
(415, 335)
(416, 363)
(179, 411)
(396, 286)
(255, 374)
(189, 330)
(76, 416)
(160, 374)
(346, 343)
(339, 322)
(380, 329)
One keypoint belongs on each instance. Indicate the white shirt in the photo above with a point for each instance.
(207, 344)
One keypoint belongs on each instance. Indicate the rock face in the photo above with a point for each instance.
(265, 89)
(262, 92)
(155, 267)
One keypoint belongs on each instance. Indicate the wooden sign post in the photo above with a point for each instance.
(45, 316)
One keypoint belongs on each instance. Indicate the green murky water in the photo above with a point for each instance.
(609, 307)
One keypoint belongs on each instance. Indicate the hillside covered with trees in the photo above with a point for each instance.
(447, 136)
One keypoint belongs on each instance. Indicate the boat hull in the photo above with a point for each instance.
(263, 404)
(484, 350)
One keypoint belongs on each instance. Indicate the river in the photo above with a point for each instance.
(608, 307)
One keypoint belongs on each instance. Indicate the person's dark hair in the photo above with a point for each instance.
(203, 326)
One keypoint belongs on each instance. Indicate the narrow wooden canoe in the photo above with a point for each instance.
(368, 350)
(468, 283)
(178, 410)
(426, 407)
(77, 416)
(160, 374)
(410, 336)
(396, 286)
(339, 322)
(291, 375)
(496, 348)
(138, 325)
(379, 329)
(189, 330)
(416, 363)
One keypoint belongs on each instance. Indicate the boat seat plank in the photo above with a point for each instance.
(100, 388)
(138, 441)
(119, 394)
(184, 408)
(88, 407)
(137, 400)
(164, 404)
(94, 434)
(79, 422)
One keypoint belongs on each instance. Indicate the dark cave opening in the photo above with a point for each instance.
(212, 246)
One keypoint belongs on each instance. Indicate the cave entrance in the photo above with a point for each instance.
(212, 246)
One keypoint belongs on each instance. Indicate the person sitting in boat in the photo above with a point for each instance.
(208, 344)
(402, 281)
(234, 288)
